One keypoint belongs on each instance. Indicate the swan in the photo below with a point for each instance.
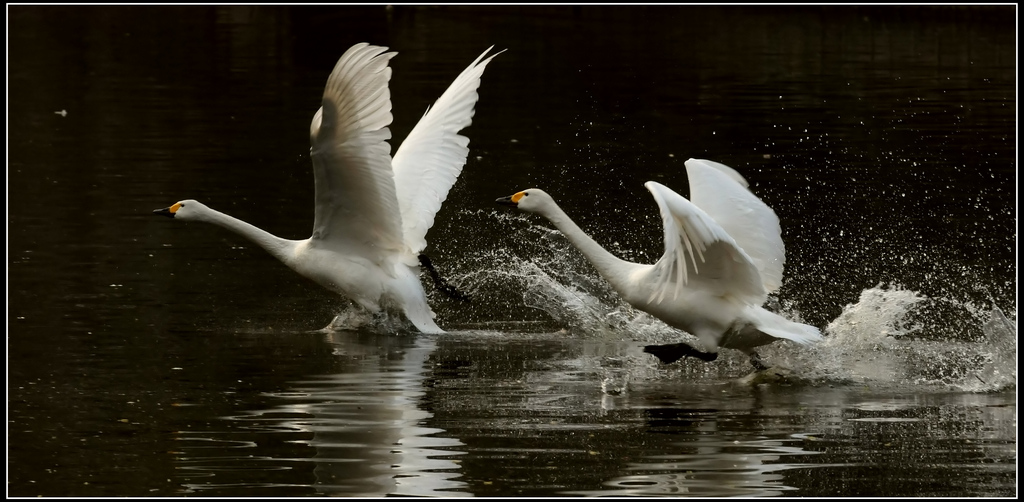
(723, 255)
(372, 211)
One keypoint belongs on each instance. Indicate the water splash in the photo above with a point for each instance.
(892, 336)
(883, 340)
(355, 318)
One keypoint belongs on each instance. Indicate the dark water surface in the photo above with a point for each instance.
(148, 357)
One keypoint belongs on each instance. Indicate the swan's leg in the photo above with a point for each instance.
(673, 352)
(756, 361)
(440, 283)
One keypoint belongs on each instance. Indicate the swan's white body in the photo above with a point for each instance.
(723, 255)
(372, 211)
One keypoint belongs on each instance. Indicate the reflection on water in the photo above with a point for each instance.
(707, 461)
(366, 426)
(716, 468)
(412, 459)
(503, 413)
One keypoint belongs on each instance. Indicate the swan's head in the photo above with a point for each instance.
(533, 200)
(182, 210)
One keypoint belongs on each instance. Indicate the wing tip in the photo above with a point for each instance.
(717, 167)
(480, 61)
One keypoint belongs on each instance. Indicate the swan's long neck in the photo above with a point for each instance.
(614, 269)
(282, 249)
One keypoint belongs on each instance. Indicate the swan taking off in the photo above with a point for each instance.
(372, 211)
(723, 255)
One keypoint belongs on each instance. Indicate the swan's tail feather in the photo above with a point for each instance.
(440, 283)
(775, 325)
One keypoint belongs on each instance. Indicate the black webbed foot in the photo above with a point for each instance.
(673, 352)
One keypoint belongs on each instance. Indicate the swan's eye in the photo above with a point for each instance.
(526, 193)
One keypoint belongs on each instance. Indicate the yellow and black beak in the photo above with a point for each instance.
(511, 200)
(168, 211)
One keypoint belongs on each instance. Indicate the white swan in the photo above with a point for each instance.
(372, 211)
(723, 255)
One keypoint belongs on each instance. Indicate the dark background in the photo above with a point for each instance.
(883, 137)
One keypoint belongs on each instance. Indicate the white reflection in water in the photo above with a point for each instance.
(365, 425)
(368, 428)
(717, 468)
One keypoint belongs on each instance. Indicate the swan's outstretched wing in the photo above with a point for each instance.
(721, 192)
(430, 159)
(356, 206)
(699, 254)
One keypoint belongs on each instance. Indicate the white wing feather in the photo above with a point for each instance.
(721, 193)
(431, 158)
(356, 205)
(699, 254)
